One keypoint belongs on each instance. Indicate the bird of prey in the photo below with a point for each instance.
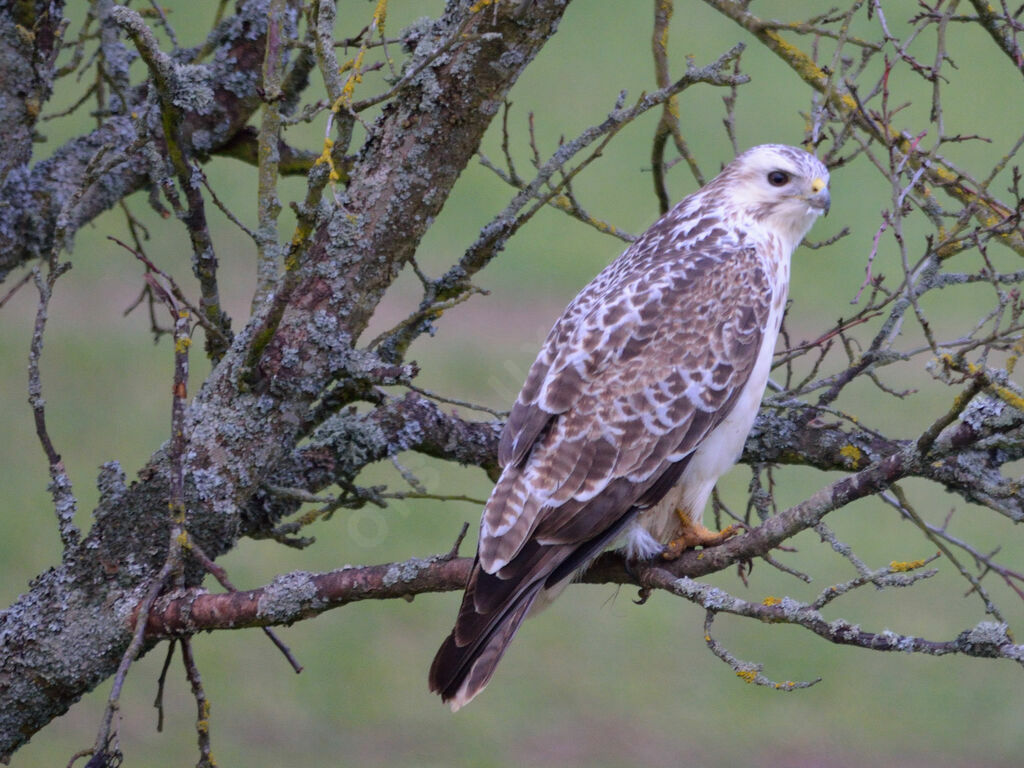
(640, 399)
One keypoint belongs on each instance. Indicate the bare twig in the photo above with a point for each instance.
(169, 84)
(269, 251)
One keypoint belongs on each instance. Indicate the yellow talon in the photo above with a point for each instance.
(696, 535)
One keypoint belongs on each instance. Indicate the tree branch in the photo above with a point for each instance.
(301, 595)
(34, 198)
(54, 640)
(29, 43)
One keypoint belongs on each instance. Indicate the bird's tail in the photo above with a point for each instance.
(463, 666)
(495, 604)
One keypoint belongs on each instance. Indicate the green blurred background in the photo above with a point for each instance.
(596, 680)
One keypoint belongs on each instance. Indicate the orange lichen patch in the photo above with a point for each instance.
(770, 601)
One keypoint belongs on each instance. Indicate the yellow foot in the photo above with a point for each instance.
(696, 535)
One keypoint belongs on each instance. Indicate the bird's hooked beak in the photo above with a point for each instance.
(819, 197)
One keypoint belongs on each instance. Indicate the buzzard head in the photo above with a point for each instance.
(782, 188)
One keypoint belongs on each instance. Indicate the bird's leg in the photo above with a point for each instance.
(694, 534)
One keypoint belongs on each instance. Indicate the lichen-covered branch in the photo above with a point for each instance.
(302, 595)
(987, 640)
(35, 196)
(1005, 30)
(29, 43)
(346, 443)
(269, 141)
(181, 90)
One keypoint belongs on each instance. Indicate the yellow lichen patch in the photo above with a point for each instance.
(349, 88)
(852, 453)
(325, 157)
(26, 34)
(1001, 391)
(804, 66)
(746, 675)
(1008, 396)
(380, 14)
(480, 5)
(355, 66)
(770, 601)
(902, 566)
(1018, 350)
(181, 345)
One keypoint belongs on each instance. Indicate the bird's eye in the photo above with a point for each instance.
(778, 178)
